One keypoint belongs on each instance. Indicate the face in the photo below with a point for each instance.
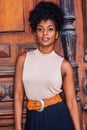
(46, 33)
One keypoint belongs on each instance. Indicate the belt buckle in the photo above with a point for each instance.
(42, 105)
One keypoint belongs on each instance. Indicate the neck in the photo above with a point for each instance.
(46, 50)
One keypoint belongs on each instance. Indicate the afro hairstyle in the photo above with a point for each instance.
(46, 11)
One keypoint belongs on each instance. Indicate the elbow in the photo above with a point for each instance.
(72, 104)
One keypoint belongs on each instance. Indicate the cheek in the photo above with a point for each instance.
(38, 36)
(53, 36)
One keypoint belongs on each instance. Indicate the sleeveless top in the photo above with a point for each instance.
(42, 74)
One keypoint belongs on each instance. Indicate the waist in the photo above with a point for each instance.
(39, 105)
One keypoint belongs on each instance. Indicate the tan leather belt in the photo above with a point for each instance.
(39, 105)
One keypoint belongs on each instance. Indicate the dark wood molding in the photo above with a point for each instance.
(68, 34)
(84, 88)
(68, 37)
(84, 9)
(21, 48)
(7, 70)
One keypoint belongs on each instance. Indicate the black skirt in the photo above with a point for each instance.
(55, 117)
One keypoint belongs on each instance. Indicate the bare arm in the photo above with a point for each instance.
(18, 93)
(69, 90)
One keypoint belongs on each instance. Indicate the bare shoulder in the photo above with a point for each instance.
(21, 59)
(66, 67)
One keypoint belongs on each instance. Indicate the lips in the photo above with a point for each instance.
(45, 39)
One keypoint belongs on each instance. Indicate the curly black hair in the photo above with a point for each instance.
(46, 11)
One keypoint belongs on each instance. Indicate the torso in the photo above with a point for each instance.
(42, 74)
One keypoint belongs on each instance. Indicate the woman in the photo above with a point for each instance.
(41, 74)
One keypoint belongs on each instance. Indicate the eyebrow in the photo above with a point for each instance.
(42, 25)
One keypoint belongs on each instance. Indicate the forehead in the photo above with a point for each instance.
(46, 23)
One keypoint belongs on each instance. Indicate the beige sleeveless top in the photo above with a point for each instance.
(42, 74)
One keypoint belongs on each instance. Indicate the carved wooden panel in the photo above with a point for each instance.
(15, 38)
(68, 38)
(7, 70)
(25, 47)
(5, 51)
(81, 46)
(84, 79)
(7, 91)
(84, 6)
(11, 15)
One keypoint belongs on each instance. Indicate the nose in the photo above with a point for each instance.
(45, 31)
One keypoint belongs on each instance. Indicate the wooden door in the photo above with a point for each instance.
(16, 37)
(80, 8)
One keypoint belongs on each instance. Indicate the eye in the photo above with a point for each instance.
(39, 29)
(50, 29)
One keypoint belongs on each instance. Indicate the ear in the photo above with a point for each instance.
(34, 34)
(56, 35)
